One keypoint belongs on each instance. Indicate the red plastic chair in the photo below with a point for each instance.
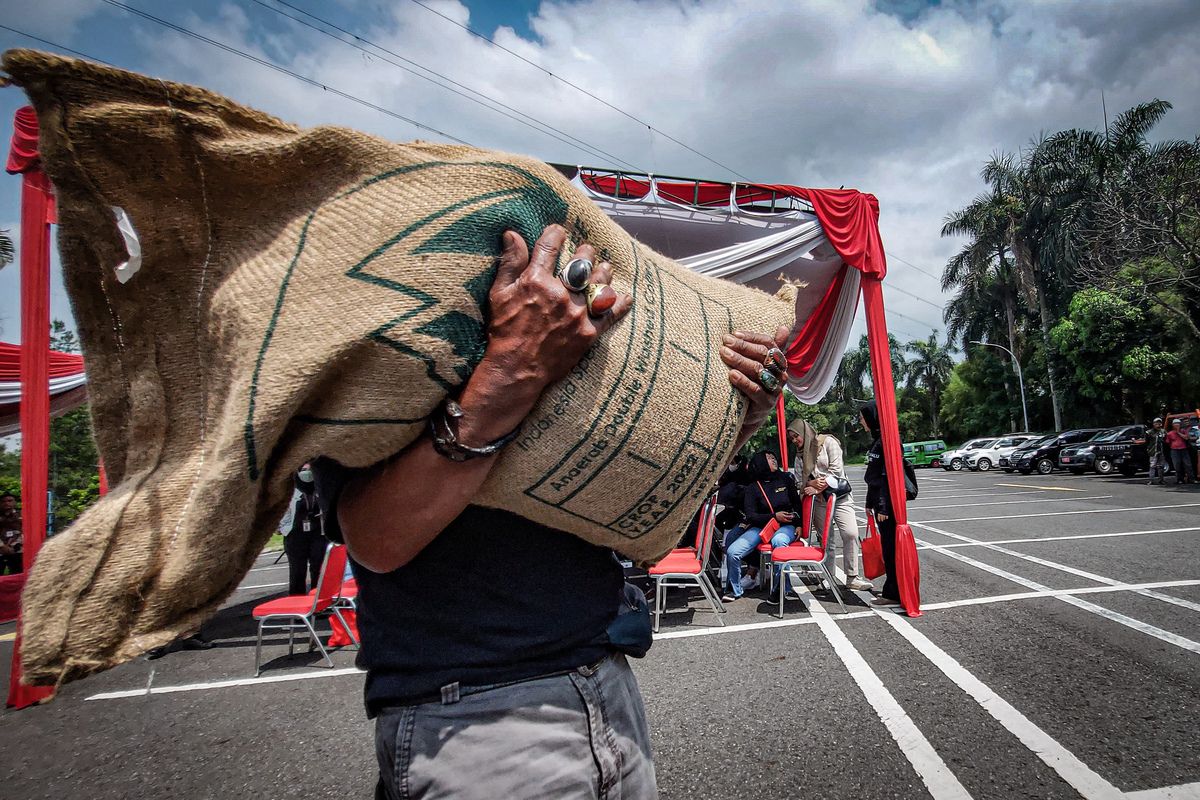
(684, 566)
(796, 559)
(299, 612)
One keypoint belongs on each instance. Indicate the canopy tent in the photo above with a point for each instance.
(68, 385)
(824, 240)
(747, 233)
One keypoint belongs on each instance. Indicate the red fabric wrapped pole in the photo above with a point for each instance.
(35, 367)
(781, 424)
(908, 568)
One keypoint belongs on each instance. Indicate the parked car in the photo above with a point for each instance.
(1099, 452)
(925, 454)
(1008, 462)
(1042, 454)
(955, 459)
(984, 458)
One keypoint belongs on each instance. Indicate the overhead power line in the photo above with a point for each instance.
(914, 296)
(479, 98)
(271, 65)
(914, 266)
(579, 88)
(55, 45)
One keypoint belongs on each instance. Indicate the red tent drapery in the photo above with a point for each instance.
(60, 365)
(850, 220)
(36, 215)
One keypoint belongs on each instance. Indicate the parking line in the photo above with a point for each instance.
(192, 687)
(937, 777)
(980, 542)
(1043, 488)
(1186, 791)
(1129, 622)
(1079, 775)
(1067, 513)
(1091, 576)
(977, 494)
(1023, 502)
(680, 634)
(261, 586)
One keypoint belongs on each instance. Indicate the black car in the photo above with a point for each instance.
(1042, 454)
(1099, 452)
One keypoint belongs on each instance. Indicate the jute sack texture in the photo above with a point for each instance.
(319, 292)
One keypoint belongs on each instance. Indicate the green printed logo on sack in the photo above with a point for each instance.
(444, 327)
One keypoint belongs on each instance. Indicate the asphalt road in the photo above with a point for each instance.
(1058, 657)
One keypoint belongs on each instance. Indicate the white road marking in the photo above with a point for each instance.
(1186, 791)
(1079, 775)
(262, 586)
(932, 496)
(193, 687)
(1065, 513)
(1022, 502)
(1005, 598)
(272, 566)
(939, 780)
(1091, 576)
(1122, 619)
(1063, 538)
(680, 634)
(1042, 488)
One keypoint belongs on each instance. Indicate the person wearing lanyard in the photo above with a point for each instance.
(304, 540)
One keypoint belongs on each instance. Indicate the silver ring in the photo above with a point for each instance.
(576, 274)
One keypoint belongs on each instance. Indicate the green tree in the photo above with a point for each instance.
(1125, 359)
(929, 370)
(74, 476)
(7, 252)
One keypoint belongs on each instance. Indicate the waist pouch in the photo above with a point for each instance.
(631, 631)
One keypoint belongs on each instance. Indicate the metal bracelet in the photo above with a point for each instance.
(445, 441)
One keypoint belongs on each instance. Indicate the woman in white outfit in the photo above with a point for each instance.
(819, 467)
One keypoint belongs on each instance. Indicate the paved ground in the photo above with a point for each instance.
(1059, 656)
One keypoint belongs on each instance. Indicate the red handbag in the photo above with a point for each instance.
(769, 529)
(872, 552)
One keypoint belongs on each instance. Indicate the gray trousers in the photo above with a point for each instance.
(845, 527)
(578, 735)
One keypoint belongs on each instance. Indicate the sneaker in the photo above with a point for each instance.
(884, 601)
(728, 597)
(859, 585)
(749, 581)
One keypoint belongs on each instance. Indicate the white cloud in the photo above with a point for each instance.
(818, 94)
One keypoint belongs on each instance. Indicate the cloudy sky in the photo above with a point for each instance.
(901, 98)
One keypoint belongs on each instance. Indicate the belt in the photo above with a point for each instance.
(453, 692)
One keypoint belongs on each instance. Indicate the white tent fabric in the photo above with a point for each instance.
(10, 391)
(750, 246)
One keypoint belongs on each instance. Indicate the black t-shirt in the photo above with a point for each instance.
(493, 598)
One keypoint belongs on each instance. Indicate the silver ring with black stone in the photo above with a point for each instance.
(576, 274)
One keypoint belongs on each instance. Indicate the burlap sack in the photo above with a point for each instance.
(308, 292)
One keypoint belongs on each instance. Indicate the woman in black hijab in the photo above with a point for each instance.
(304, 539)
(879, 503)
(772, 495)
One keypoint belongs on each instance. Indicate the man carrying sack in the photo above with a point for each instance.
(522, 668)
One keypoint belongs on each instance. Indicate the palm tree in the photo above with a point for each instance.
(930, 370)
(6, 249)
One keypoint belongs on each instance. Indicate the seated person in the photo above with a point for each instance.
(773, 495)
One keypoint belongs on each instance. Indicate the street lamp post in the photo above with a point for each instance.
(1020, 378)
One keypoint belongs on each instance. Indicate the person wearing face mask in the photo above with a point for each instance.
(304, 540)
(879, 503)
(773, 495)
